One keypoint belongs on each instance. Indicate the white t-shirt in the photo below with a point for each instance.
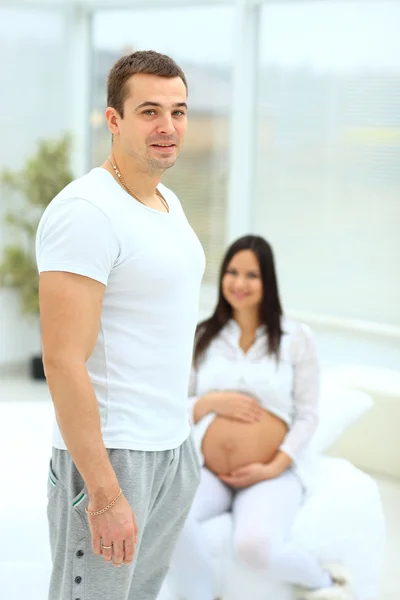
(152, 264)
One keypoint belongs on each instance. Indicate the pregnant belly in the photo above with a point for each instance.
(230, 444)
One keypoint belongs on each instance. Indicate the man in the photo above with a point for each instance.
(120, 272)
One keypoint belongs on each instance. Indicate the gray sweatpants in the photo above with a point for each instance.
(159, 486)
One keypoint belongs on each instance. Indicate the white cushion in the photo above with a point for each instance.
(340, 407)
(374, 380)
(373, 442)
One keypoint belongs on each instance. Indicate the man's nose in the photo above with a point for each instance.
(166, 125)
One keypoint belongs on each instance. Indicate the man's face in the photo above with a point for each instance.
(154, 124)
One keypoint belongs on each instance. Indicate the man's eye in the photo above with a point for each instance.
(179, 113)
(149, 112)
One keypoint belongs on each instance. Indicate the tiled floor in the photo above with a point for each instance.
(23, 390)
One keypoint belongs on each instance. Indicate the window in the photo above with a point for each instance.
(200, 40)
(32, 99)
(328, 185)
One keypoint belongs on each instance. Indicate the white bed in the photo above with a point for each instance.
(342, 521)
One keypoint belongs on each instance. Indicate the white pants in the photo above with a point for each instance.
(263, 515)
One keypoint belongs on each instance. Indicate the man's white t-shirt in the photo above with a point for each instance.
(152, 264)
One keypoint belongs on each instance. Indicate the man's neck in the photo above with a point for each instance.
(141, 184)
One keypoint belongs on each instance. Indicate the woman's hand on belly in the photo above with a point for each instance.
(248, 475)
(256, 472)
(237, 406)
(228, 445)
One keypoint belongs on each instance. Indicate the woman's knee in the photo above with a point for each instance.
(253, 550)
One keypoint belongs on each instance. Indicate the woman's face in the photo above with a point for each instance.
(241, 283)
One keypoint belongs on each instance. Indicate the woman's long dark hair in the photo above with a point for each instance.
(270, 308)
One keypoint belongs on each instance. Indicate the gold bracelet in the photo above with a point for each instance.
(103, 510)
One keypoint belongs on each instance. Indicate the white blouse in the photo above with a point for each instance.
(288, 388)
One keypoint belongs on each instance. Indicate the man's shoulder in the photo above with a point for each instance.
(86, 187)
(83, 198)
(90, 189)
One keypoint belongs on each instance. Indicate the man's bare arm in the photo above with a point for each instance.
(70, 309)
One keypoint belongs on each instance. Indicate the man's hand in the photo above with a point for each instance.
(117, 528)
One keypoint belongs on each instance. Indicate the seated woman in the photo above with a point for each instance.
(254, 406)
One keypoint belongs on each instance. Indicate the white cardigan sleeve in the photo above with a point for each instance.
(305, 393)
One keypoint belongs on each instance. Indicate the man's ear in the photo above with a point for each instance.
(113, 118)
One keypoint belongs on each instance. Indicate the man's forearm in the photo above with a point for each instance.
(78, 418)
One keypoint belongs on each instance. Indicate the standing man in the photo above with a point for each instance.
(120, 272)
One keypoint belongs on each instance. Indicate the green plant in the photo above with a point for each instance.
(30, 191)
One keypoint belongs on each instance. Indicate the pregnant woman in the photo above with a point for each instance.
(254, 406)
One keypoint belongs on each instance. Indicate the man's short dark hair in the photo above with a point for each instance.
(143, 61)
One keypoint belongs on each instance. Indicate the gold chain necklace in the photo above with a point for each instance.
(126, 188)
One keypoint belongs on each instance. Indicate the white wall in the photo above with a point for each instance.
(19, 336)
